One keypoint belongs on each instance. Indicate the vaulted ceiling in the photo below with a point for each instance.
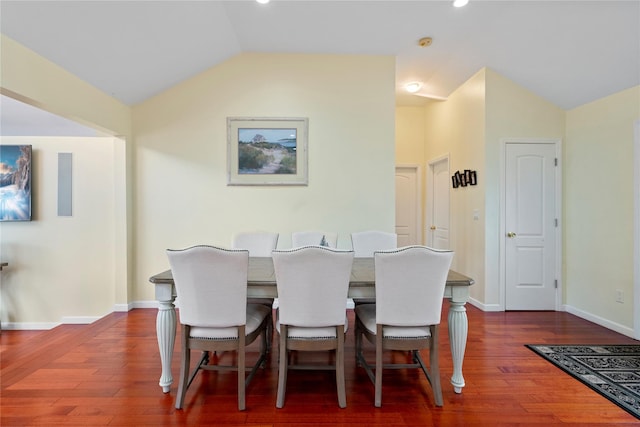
(568, 52)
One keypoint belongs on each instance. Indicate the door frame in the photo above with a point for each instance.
(419, 179)
(429, 201)
(558, 213)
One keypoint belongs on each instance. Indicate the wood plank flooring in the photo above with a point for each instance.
(106, 374)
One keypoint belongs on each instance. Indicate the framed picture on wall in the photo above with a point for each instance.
(267, 151)
(15, 182)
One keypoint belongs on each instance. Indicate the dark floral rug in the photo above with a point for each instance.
(611, 370)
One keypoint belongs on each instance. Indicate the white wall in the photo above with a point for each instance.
(511, 112)
(32, 79)
(62, 269)
(469, 126)
(457, 127)
(182, 197)
(598, 207)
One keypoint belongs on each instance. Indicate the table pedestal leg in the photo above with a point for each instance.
(458, 328)
(166, 332)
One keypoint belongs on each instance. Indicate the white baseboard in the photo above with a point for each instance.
(75, 320)
(624, 330)
(484, 307)
(29, 326)
(136, 304)
(122, 307)
(79, 320)
(144, 304)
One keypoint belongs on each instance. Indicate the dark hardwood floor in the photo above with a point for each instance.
(106, 374)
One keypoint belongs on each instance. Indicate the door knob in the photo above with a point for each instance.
(433, 227)
(511, 234)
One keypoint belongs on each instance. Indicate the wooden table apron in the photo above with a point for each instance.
(262, 283)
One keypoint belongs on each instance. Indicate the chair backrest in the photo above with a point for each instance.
(258, 243)
(312, 282)
(314, 238)
(410, 284)
(211, 284)
(365, 243)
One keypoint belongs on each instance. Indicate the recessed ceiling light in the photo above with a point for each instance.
(460, 3)
(263, 1)
(413, 87)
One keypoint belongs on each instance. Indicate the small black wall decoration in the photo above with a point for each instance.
(464, 178)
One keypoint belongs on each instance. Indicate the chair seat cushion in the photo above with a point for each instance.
(367, 315)
(256, 313)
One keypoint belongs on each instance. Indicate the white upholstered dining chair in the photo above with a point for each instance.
(211, 285)
(313, 283)
(410, 283)
(259, 244)
(314, 238)
(365, 243)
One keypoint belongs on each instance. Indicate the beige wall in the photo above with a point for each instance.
(410, 135)
(181, 192)
(469, 127)
(598, 208)
(597, 142)
(511, 112)
(181, 143)
(34, 80)
(62, 269)
(410, 148)
(182, 197)
(456, 127)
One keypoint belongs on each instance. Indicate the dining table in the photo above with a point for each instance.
(261, 283)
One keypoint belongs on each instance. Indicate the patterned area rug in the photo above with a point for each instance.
(611, 370)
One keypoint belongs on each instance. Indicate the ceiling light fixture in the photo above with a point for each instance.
(263, 1)
(460, 3)
(413, 87)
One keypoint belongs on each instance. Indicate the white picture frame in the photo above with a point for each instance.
(267, 151)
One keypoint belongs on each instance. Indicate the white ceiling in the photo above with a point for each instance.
(568, 52)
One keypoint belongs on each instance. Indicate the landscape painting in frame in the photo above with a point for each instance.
(15, 182)
(267, 151)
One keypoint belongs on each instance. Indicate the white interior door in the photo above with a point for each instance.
(407, 206)
(531, 226)
(438, 204)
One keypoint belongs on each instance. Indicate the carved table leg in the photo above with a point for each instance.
(458, 328)
(166, 332)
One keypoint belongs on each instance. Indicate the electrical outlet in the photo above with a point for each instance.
(620, 296)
